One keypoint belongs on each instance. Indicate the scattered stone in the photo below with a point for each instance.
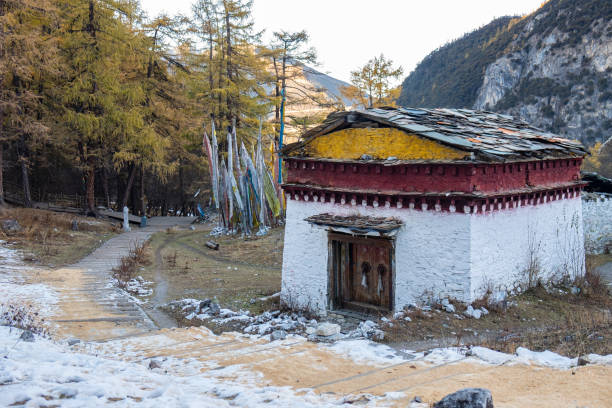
(327, 329)
(408, 319)
(278, 335)
(417, 399)
(449, 308)
(75, 225)
(215, 246)
(27, 336)
(361, 400)
(583, 360)
(204, 304)
(310, 330)
(484, 311)
(214, 308)
(154, 364)
(467, 398)
(366, 157)
(73, 341)
(445, 302)
(192, 227)
(471, 312)
(398, 315)
(574, 290)
(10, 226)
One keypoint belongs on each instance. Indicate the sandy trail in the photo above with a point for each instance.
(111, 325)
(299, 364)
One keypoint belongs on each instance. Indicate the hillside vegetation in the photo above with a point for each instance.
(551, 68)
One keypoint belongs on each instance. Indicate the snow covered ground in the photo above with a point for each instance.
(40, 299)
(46, 373)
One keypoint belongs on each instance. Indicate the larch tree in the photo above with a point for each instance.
(102, 106)
(27, 64)
(228, 75)
(245, 71)
(371, 84)
(289, 54)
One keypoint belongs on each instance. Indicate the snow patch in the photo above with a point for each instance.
(367, 352)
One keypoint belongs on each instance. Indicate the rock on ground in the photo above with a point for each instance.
(27, 336)
(467, 398)
(471, 312)
(278, 335)
(327, 329)
(10, 226)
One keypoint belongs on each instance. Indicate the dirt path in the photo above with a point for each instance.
(90, 307)
(160, 292)
(300, 364)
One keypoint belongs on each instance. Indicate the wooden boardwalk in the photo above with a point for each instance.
(91, 307)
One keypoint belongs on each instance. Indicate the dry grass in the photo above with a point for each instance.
(23, 316)
(137, 257)
(47, 237)
(540, 320)
(580, 332)
(239, 271)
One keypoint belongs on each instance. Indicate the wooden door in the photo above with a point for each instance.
(365, 274)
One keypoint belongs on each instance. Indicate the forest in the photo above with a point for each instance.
(105, 105)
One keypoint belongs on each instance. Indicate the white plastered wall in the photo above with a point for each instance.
(505, 243)
(597, 217)
(441, 254)
(431, 254)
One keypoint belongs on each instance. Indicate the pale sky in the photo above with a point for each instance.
(347, 33)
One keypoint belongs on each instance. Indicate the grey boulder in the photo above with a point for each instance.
(467, 398)
(214, 308)
(27, 336)
(278, 335)
(10, 226)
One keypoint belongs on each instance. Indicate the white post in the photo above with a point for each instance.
(126, 222)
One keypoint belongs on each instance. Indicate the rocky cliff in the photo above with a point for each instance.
(552, 68)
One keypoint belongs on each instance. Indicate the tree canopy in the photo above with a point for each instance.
(371, 84)
(100, 100)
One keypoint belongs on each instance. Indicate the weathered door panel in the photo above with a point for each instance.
(364, 274)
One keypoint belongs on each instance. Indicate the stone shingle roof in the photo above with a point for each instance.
(489, 136)
(356, 223)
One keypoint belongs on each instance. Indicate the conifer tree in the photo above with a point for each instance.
(371, 83)
(27, 64)
(102, 105)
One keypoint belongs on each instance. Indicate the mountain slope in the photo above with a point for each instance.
(552, 68)
(331, 85)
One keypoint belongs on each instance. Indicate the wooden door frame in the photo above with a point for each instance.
(334, 297)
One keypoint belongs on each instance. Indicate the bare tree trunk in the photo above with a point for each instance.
(25, 176)
(182, 187)
(91, 176)
(128, 188)
(143, 205)
(105, 186)
(1, 174)
(25, 181)
(229, 98)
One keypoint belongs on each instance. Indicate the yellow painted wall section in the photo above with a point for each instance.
(380, 143)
